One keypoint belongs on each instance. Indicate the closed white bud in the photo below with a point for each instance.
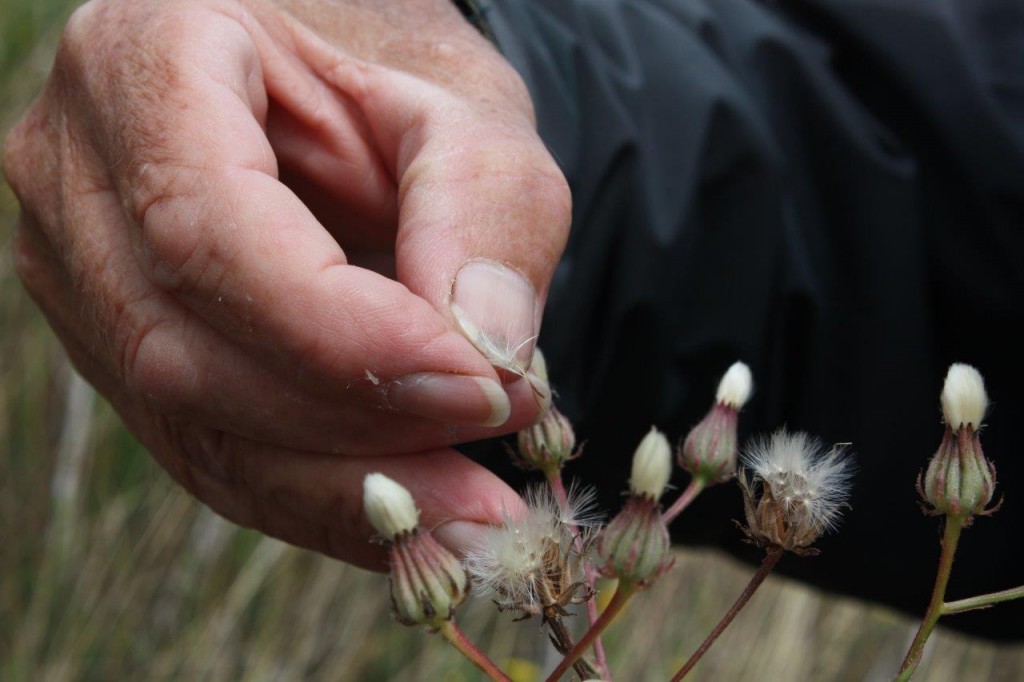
(652, 465)
(736, 385)
(389, 506)
(539, 366)
(964, 400)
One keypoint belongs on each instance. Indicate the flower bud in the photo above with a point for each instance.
(389, 506)
(964, 399)
(709, 451)
(427, 581)
(547, 445)
(539, 365)
(959, 480)
(735, 387)
(634, 546)
(652, 466)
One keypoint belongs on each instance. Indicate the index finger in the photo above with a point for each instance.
(216, 228)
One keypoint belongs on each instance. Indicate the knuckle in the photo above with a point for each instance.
(151, 369)
(550, 190)
(18, 156)
(180, 251)
(28, 264)
(85, 29)
(80, 29)
(144, 371)
(169, 241)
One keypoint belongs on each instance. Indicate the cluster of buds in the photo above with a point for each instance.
(427, 581)
(792, 491)
(634, 547)
(550, 443)
(709, 451)
(960, 481)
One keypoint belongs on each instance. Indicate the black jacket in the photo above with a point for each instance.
(829, 190)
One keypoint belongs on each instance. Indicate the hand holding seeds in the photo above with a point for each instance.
(293, 242)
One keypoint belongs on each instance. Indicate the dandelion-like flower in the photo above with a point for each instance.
(534, 563)
(709, 451)
(960, 480)
(634, 546)
(793, 490)
(427, 581)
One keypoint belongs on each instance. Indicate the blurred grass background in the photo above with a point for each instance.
(109, 572)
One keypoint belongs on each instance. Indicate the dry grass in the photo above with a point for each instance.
(108, 572)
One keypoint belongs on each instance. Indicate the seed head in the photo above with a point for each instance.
(534, 562)
(793, 491)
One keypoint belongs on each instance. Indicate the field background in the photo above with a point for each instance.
(109, 572)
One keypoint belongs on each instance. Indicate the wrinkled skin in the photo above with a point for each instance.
(244, 220)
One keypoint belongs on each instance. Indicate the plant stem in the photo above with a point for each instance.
(478, 658)
(950, 537)
(562, 640)
(590, 575)
(619, 599)
(770, 559)
(982, 601)
(697, 484)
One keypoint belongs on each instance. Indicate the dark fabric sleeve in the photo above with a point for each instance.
(830, 190)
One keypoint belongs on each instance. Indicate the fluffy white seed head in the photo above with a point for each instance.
(652, 465)
(511, 561)
(810, 483)
(964, 400)
(389, 506)
(736, 385)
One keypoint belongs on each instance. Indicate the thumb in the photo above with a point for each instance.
(484, 210)
(484, 216)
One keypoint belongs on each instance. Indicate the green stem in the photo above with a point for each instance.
(982, 601)
(697, 484)
(950, 538)
(770, 559)
(619, 599)
(478, 658)
(590, 575)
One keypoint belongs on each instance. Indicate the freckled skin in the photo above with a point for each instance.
(243, 218)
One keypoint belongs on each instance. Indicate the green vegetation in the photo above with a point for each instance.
(109, 572)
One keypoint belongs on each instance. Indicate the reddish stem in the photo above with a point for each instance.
(950, 538)
(619, 599)
(770, 559)
(558, 489)
(478, 658)
(697, 484)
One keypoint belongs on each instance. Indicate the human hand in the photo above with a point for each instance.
(213, 193)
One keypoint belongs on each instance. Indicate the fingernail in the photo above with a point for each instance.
(451, 398)
(494, 306)
(460, 536)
